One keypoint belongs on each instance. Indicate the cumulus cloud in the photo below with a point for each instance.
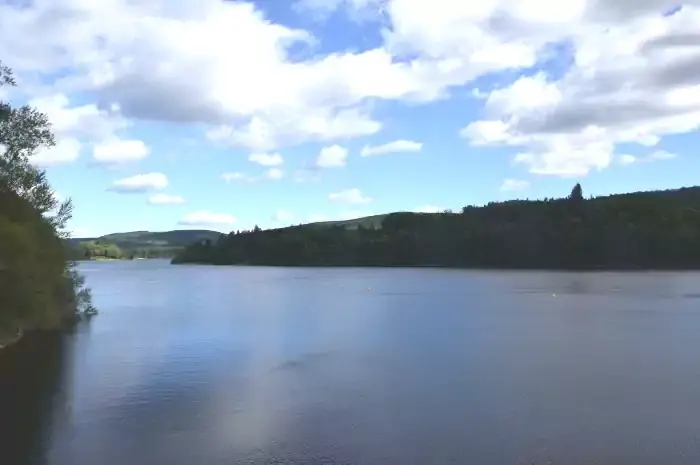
(219, 63)
(266, 159)
(237, 176)
(207, 218)
(322, 8)
(77, 121)
(225, 65)
(662, 155)
(73, 124)
(658, 155)
(116, 151)
(165, 199)
(514, 185)
(333, 156)
(634, 79)
(65, 151)
(350, 196)
(392, 147)
(140, 183)
(274, 174)
(307, 175)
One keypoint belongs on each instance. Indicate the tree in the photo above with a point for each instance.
(576, 201)
(23, 132)
(576, 193)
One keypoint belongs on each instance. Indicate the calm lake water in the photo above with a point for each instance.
(197, 365)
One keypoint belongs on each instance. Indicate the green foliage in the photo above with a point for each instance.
(39, 286)
(640, 230)
(138, 244)
(33, 289)
(100, 249)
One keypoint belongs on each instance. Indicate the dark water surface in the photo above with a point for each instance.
(195, 365)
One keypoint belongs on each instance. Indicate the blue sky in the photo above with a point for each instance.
(222, 115)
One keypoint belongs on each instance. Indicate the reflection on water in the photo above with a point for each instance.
(218, 365)
(31, 396)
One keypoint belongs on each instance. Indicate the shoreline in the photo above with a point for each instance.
(601, 269)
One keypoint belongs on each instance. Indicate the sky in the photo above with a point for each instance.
(173, 114)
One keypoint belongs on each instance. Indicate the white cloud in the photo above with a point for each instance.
(115, 151)
(514, 185)
(266, 159)
(306, 175)
(323, 8)
(226, 65)
(662, 155)
(278, 129)
(73, 124)
(237, 176)
(658, 155)
(392, 147)
(140, 183)
(274, 174)
(77, 121)
(635, 78)
(350, 196)
(428, 209)
(333, 156)
(207, 218)
(65, 151)
(626, 159)
(165, 199)
(283, 216)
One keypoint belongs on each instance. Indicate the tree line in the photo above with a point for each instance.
(643, 230)
(39, 285)
(100, 250)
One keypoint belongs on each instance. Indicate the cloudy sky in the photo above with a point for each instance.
(226, 114)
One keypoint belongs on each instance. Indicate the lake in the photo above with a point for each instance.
(202, 365)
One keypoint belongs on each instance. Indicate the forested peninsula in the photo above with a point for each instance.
(39, 285)
(641, 230)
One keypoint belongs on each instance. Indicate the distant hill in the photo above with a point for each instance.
(162, 240)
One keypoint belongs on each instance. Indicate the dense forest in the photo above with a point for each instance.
(643, 230)
(39, 286)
